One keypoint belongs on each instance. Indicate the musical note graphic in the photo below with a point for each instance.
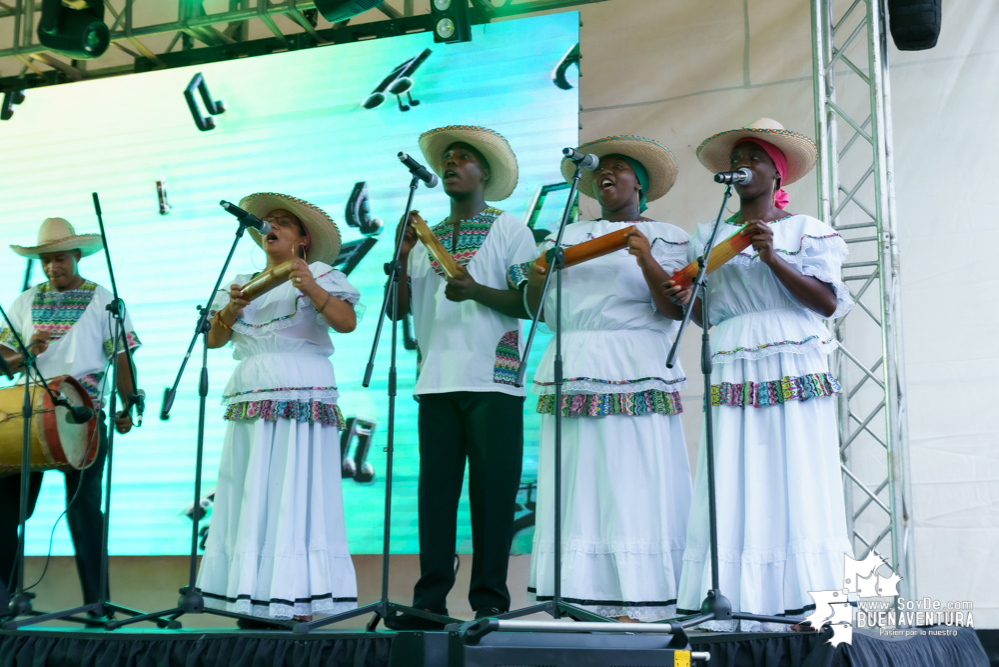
(569, 59)
(398, 83)
(214, 107)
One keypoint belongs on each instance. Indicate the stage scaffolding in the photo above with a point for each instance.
(856, 194)
(200, 35)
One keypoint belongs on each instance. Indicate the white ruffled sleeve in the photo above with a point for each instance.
(671, 255)
(671, 249)
(821, 256)
(336, 283)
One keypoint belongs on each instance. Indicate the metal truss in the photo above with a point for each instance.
(199, 35)
(857, 197)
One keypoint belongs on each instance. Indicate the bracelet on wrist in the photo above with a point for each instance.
(218, 318)
(329, 295)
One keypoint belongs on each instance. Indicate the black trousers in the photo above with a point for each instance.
(85, 519)
(487, 428)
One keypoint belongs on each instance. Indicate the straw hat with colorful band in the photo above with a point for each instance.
(715, 151)
(503, 171)
(324, 237)
(57, 235)
(658, 161)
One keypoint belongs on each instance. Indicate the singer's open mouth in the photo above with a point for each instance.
(271, 237)
(450, 176)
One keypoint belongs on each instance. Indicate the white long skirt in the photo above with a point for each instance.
(781, 517)
(277, 546)
(626, 495)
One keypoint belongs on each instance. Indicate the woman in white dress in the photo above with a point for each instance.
(781, 518)
(626, 480)
(277, 548)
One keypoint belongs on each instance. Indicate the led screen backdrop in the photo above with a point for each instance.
(293, 123)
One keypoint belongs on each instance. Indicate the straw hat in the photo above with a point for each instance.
(323, 233)
(656, 158)
(57, 235)
(503, 172)
(715, 151)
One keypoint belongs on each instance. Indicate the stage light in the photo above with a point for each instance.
(451, 22)
(340, 10)
(74, 28)
(914, 24)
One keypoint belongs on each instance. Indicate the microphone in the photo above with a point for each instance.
(140, 406)
(737, 177)
(585, 160)
(75, 414)
(245, 218)
(416, 169)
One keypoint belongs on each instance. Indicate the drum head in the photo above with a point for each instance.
(79, 442)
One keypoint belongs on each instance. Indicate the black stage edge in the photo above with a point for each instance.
(990, 642)
(227, 648)
(204, 647)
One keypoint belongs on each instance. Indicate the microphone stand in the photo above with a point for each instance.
(384, 608)
(556, 607)
(103, 608)
(20, 603)
(715, 606)
(191, 600)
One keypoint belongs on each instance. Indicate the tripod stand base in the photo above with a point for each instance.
(191, 601)
(557, 609)
(716, 607)
(381, 610)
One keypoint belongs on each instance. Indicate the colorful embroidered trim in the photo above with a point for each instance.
(618, 382)
(762, 394)
(652, 401)
(517, 274)
(471, 235)
(133, 342)
(507, 358)
(56, 312)
(92, 383)
(268, 391)
(7, 338)
(302, 411)
(769, 345)
(781, 250)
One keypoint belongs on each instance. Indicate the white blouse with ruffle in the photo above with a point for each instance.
(614, 341)
(755, 316)
(283, 344)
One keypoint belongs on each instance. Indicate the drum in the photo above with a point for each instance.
(56, 443)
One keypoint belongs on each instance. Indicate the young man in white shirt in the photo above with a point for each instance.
(64, 323)
(469, 346)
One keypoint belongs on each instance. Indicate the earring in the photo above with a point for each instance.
(253, 258)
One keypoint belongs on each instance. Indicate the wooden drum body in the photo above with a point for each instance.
(56, 444)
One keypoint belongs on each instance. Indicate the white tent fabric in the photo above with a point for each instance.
(681, 71)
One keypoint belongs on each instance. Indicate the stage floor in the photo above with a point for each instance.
(79, 647)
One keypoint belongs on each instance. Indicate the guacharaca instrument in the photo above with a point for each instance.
(434, 245)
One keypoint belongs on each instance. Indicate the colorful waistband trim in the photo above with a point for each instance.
(783, 343)
(303, 411)
(615, 382)
(261, 391)
(775, 392)
(652, 401)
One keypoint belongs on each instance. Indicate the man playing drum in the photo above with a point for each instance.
(66, 324)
